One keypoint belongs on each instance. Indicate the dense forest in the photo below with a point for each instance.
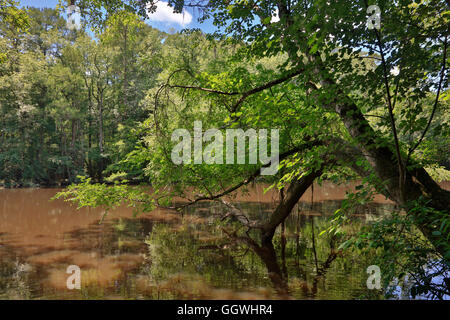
(94, 109)
(72, 102)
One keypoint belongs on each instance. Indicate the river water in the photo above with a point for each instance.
(166, 255)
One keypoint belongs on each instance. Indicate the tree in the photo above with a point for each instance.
(341, 74)
(323, 40)
(27, 156)
(71, 102)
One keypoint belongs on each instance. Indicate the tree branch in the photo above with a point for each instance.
(444, 58)
(249, 179)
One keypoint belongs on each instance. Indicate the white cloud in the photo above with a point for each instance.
(164, 13)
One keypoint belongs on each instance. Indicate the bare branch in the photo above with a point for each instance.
(444, 58)
(204, 89)
(268, 85)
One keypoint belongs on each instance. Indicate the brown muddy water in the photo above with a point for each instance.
(165, 255)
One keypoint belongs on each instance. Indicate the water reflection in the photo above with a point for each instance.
(163, 255)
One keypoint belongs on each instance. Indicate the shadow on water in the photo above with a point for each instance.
(163, 255)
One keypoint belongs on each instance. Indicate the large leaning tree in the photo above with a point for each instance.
(350, 86)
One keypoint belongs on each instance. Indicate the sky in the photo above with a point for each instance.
(163, 19)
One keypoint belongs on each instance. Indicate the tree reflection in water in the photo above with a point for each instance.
(164, 255)
(284, 268)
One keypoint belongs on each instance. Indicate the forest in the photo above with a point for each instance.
(73, 104)
(356, 95)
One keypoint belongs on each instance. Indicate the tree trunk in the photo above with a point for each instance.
(269, 257)
(100, 123)
(125, 70)
(383, 161)
(416, 183)
(266, 251)
(292, 196)
(100, 136)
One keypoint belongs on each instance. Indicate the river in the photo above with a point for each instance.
(166, 255)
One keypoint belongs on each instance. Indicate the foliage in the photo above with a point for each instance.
(87, 194)
(63, 111)
(317, 73)
(396, 245)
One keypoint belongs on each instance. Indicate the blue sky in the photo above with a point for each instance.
(164, 19)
